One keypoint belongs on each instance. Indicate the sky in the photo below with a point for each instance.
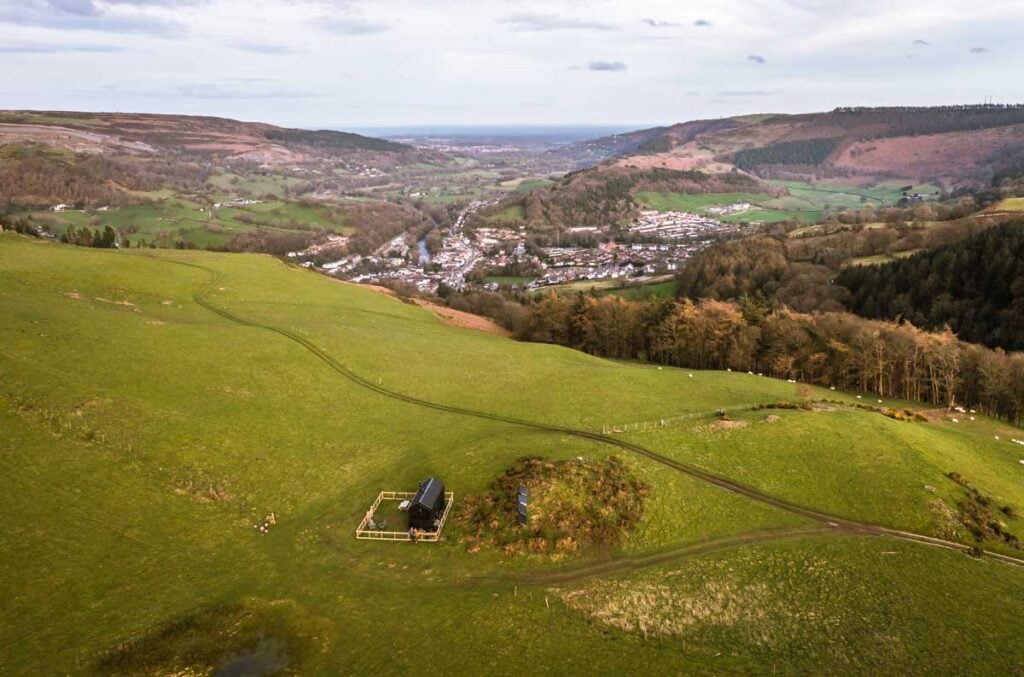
(386, 63)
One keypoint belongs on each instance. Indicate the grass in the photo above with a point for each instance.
(881, 258)
(888, 473)
(510, 280)
(1010, 204)
(654, 288)
(510, 214)
(528, 185)
(661, 290)
(144, 436)
(165, 220)
(256, 185)
(668, 202)
(831, 602)
(805, 201)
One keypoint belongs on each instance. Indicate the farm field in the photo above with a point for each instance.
(667, 202)
(1010, 204)
(255, 185)
(881, 258)
(805, 201)
(157, 405)
(656, 288)
(509, 280)
(511, 214)
(166, 221)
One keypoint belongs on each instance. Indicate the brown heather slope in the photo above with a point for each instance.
(950, 145)
(955, 154)
(193, 136)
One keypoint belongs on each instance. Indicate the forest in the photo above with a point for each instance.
(37, 175)
(829, 349)
(914, 120)
(803, 152)
(976, 287)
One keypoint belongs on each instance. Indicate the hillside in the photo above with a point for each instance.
(948, 145)
(606, 197)
(203, 182)
(858, 156)
(976, 287)
(148, 134)
(159, 405)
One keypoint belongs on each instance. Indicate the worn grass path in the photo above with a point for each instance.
(829, 523)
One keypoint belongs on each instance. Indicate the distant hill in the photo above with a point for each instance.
(145, 134)
(949, 145)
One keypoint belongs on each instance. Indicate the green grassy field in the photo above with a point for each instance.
(528, 185)
(510, 214)
(805, 201)
(881, 258)
(155, 406)
(663, 289)
(666, 202)
(256, 185)
(166, 220)
(510, 280)
(1010, 204)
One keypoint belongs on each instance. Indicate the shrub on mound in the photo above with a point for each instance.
(573, 504)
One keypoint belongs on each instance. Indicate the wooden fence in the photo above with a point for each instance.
(365, 533)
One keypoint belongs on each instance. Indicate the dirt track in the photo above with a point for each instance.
(829, 523)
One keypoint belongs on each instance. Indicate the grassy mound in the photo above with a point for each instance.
(573, 504)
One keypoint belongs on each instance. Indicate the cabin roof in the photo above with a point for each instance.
(431, 491)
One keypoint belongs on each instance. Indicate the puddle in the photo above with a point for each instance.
(266, 658)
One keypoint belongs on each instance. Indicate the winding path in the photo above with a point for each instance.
(827, 522)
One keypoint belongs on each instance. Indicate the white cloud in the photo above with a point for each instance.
(390, 62)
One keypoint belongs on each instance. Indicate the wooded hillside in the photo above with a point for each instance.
(975, 286)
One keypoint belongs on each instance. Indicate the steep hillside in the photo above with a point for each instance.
(159, 407)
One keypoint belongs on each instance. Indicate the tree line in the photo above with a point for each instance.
(910, 120)
(88, 237)
(826, 349)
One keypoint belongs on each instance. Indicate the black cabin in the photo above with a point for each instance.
(427, 505)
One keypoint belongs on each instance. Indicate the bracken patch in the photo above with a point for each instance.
(574, 504)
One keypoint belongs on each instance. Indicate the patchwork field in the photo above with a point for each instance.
(168, 220)
(157, 406)
(806, 202)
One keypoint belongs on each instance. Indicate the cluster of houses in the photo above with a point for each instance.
(237, 202)
(669, 239)
(726, 210)
(678, 226)
(325, 245)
